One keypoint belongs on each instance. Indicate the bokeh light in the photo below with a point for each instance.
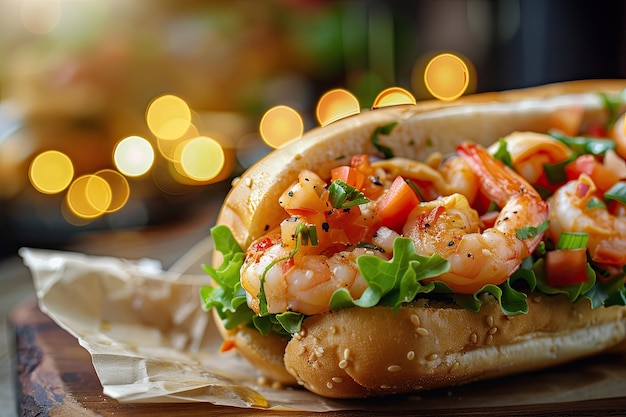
(89, 196)
(336, 104)
(393, 96)
(167, 147)
(133, 156)
(168, 117)
(201, 158)
(51, 172)
(281, 125)
(40, 16)
(120, 190)
(446, 77)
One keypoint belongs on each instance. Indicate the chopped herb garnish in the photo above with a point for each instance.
(612, 103)
(503, 154)
(582, 145)
(383, 130)
(617, 192)
(555, 173)
(342, 195)
(594, 203)
(415, 189)
(528, 232)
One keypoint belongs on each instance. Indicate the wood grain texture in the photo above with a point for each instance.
(55, 377)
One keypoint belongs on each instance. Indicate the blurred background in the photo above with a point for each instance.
(126, 115)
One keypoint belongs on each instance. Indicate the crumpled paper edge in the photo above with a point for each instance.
(145, 367)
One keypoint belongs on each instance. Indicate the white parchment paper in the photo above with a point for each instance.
(150, 341)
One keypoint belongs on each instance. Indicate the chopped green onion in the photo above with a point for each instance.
(617, 192)
(384, 130)
(342, 195)
(503, 154)
(572, 240)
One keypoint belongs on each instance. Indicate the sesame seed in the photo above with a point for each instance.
(262, 381)
(343, 364)
(493, 330)
(302, 332)
(385, 386)
(410, 355)
(319, 351)
(432, 357)
(297, 156)
(490, 321)
(489, 339)
(329, 385)
(248, 182)
(537, 299)
(337, 379)
(394, 368)
(474, 338)
(415, 319)
(422, 331)
(346, 353)
(333, 330)
(277, 385)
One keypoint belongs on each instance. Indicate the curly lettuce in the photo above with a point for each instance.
(393, 283)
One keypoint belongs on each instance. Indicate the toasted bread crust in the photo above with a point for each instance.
(359, 352)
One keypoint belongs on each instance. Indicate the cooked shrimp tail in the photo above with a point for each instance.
(522, 208)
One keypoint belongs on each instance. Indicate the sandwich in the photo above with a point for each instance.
(423, 246)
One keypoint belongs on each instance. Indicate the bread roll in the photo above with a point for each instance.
(368, 352)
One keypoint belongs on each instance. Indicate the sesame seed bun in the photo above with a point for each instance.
(449, 345)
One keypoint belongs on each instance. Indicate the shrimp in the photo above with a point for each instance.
(303, 283)
(530, 151)
(569, 212)
(454, 174)
(449, 226)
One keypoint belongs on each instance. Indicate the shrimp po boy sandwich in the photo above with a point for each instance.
(423, 246)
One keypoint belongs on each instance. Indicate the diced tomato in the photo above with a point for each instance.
(348, 175)
(601, 176)
(395, 206)
(597, 131)
(362, 164)
(372, 186)
(337, 218)
(566, 267)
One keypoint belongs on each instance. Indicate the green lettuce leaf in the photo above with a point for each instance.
(397, 280)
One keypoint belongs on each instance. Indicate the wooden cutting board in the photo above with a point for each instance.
(55, 377)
